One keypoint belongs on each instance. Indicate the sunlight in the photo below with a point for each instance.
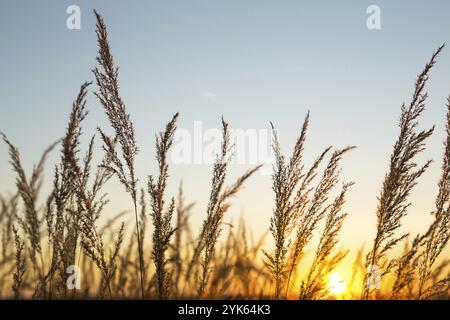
(336, 284)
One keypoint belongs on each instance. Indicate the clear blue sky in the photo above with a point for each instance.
(263, 60)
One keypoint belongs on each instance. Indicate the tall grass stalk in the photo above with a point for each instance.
(438, 234)
(402, 176)
(106, 75)
(162, 216)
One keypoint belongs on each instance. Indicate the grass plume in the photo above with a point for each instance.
(399, 181)
(123, 168)
(162, 216)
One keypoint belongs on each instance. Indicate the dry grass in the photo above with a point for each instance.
(220, 195)
(43, 237)
(20, 265)
(397, 185)
(416, 264)
(300, 206)
(162, 216)
(108, 95)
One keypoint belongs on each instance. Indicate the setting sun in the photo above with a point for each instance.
(336, 284)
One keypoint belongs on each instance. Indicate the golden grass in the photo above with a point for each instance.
(40, 244)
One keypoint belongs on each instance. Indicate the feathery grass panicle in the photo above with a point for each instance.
(28, 189)
(70, 171)
(161, 216)
(319, 288)
(328, 240)
(106, 75)
(94, 247)
(316, 209)
(62, 226)
(285, 180)
(143, 222)
(90, 204)
(20, 265)
(178, 254)
(438, 234)
(65, 175)
(295, 208)
(8, 216)
(400, 179)
(217, 207)
(406, 267)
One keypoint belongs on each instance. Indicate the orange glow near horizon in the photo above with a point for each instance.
(336, 284)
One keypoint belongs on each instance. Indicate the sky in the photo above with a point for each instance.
(253, 62)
